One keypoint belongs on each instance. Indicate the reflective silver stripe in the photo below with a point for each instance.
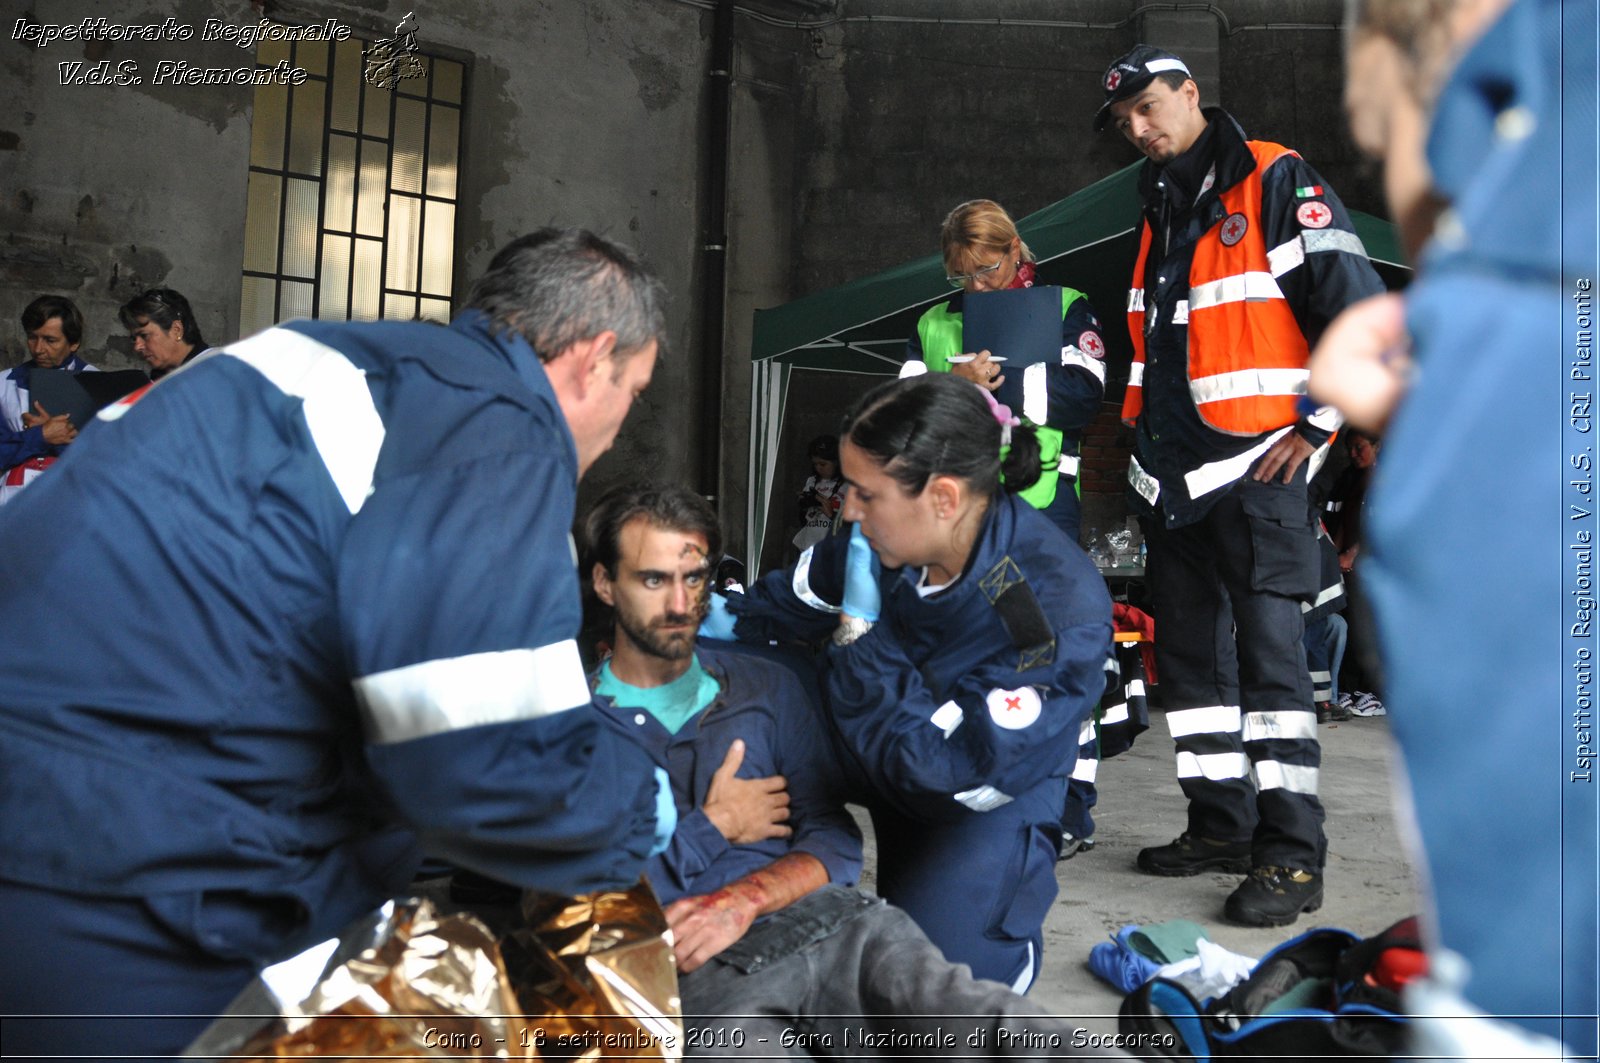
(335, 401)
(1136, 375)
(1327, 418)
(1070, 355)
(1135, 300)
(1287, 723)
(1251, 287)
(1157, 66)
(1035, 393)
(1334, 506)
(1086, 769)
(1115, 714)
(1218, 767)
(802, 584)
(1315, 462)
(1148, 487)
(1215, 474)
(1136, 688)
(1085, 732)
(1296, 778)
(1333, 240)
(1248, 383)
(1068, 464)
(1025, 980)
(1292, 253)
(115, 411)
(1324, 596)
(1211, 719)
(433, 697)
(1180, 312)
(1286, 256)
(983, 799)
(947, 718)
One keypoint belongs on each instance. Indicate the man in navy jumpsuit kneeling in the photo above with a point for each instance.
(323, 615)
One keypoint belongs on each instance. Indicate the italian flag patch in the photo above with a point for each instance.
(1308, 191)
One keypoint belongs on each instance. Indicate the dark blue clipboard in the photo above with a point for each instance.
(1021, 325)
(80, 396)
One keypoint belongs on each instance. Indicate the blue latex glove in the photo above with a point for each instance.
(718, 623)
(861, 596)
(666, 813)
(1118, 963)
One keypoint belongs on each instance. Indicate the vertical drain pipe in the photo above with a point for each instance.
(715, 249)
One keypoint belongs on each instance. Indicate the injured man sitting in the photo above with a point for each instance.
(779, 953)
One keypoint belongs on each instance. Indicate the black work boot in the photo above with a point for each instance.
(1274, 896)
(1189, 855)
(1331, 712)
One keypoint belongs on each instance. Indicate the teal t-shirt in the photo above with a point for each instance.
(672, 704)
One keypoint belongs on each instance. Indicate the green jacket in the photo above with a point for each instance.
(939, 337)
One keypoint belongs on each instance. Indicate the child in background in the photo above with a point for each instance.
(823, 493)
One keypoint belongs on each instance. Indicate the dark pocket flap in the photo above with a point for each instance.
(1281, 503)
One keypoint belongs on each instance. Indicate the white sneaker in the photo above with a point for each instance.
(1367, 704)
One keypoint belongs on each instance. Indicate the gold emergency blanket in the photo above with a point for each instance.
(589, 977)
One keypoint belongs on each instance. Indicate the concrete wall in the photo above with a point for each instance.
(852, 135)
(576, 114)
(912, 106)
(109, 189)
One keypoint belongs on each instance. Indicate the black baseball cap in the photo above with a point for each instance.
(1129, 75)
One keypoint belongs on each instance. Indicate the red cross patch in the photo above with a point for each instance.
(1113, 79)
(1314, 215)
(1233, 229)
(1091, 344)
(1014, 709)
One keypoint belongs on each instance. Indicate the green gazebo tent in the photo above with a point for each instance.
(1087, 241)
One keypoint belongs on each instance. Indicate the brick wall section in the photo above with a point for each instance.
(1105, 450)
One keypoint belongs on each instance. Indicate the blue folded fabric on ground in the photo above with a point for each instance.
(1117, 962)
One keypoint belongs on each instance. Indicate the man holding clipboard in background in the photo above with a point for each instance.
(1051, 374)
(33, 432)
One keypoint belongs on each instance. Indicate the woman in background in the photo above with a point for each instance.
(984, 253)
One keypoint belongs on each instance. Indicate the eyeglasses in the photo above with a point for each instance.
(961, 280)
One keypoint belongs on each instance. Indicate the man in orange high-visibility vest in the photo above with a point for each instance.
(1245, 254)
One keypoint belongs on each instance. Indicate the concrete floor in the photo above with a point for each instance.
(1369, 880)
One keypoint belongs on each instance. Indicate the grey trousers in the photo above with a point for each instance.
(842, 975)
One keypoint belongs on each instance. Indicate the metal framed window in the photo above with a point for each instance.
(351, 209)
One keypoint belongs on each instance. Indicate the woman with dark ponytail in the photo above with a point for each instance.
(959, 708)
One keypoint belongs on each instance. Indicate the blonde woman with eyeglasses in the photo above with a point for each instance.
(984, 253)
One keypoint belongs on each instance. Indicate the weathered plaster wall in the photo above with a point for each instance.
(109, 189)
(851, 137)
(577, 113)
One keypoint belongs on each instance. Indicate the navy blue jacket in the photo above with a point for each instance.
(764, 704)
(321, 604)
(1171, 439)
(924, 701)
